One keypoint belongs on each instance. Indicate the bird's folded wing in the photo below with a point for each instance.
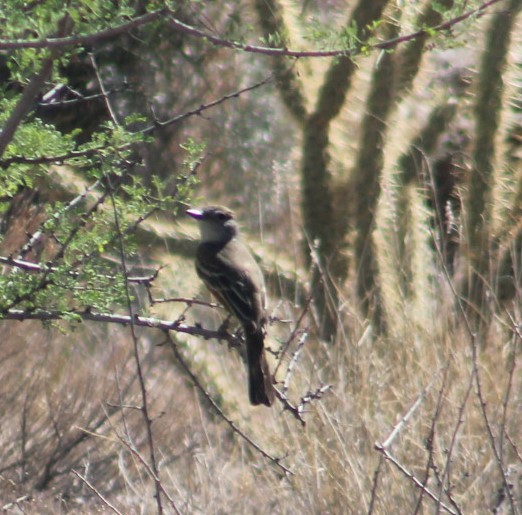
(231, 287)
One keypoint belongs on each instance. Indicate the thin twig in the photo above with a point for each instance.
(204, 107)
(88, 39)
(430, 443)
(383, 45)
(475, 377)
(76, 154)
(219, 411)
(293, 361)
(149, 470)
(185, 300)
(137, 359)
(415, 481)
(184, 28)
(407, 416)
(103, 90)
(293, 334)
(375, 484)
(97, 492)
(29, 266)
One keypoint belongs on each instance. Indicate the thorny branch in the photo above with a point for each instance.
(233, 426)
(157, 124)
(144, 408)
(141, 321)
(415, 481)
(91, 487)
(184, 28)
(139, 370)
(88, 39)
(474, 379)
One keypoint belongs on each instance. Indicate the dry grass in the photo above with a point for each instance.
(56, 388)
(61, 391)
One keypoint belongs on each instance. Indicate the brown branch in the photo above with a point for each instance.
(130, 309)
(416, 482)
(132, 449)
(103, 90)
(347, 52)
(25, 103)
(26, 100)
(219, 411)
(87, 39)
(91, 487)
(430, 440)
(184, 28)
(110, 318)
(203, 107)
(375, 485)
(76, 154)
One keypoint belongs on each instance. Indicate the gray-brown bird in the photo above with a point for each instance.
(230, 272)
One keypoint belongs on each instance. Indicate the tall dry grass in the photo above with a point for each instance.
(424, 418)
(453, 401)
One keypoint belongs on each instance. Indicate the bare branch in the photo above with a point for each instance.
(76, 154)
(137, 358)
(405, 418)
(233, 426)
(415, 481)
(204, 107)
(348, 52)
(91, 487)
(141, 321)
(29, 266)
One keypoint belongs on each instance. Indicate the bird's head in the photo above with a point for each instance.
(216, 223)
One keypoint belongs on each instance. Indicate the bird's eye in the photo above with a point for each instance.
(222, 216)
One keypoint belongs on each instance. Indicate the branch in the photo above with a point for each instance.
(87, 39)
(137, 358)
(179, 26)
(55, 216)
(75, 154)
(409, 414)
(25, 103)
(91, 487)
(233, 426)
(415, 481)
(137, 320)
(346, 52)
(204, 107)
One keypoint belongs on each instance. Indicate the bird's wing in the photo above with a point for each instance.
(233, 277)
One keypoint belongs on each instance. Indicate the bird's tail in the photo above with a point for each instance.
(260, 385)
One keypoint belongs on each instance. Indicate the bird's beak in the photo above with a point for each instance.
(195, 213)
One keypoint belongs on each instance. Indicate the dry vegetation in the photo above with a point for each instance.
(424, 411)
(62, 430)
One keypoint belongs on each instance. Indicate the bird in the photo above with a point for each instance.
(229, 271)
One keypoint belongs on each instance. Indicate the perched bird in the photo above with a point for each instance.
(230, 272)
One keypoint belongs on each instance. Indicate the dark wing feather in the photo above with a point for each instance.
(231, 273)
